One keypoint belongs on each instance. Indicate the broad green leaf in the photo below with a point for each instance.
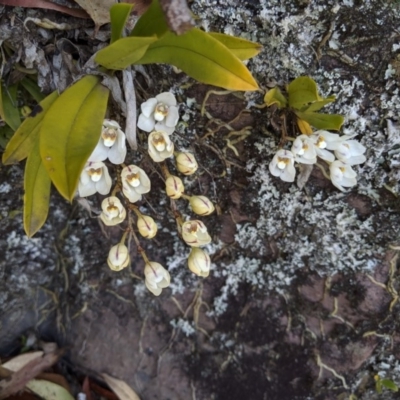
(302, 91)
(241, 48)
(124, 52)
(9, 111)
(37, 192)
(389, 384)
(119, 13)
(33, 89)
(70, 132)
(203, 58)
(317, 105)
(47, 390)
(322, 121)
(275, 96)
(24, 138)
(152, 22)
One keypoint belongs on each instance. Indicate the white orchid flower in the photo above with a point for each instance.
(113, 212)
(350, 152)
(160, 146)
(282, 165)
(159, 113)
(111, 144)
(342, 175)
(324, 141)
(94, 178)
(195, 234)
(135, 182)
(156, 277)
(199, 262)
(304, 150)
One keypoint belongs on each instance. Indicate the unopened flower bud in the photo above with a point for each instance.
(199, 262)
(174, 187)
(201, 205)
(195, 234)
(156, 277)
(147, 226)
(186, 163)
(118, 257)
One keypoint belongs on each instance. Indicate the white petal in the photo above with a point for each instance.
(172, 117)
(131, 194)
(146, 123)
(289, 173)
(356, 148)
(167, 98)
(148, 107)
(325, 155)
(304, 160)
(84, 178)
(355, 160)
(100, 152)
(160, 126)
(103, 186)
(110, 123)
(87, 190)
(117, 153)
(348, 182)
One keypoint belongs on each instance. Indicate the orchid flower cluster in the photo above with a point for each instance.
(305, 150)
(159, 118)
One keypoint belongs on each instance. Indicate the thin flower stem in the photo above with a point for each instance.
(138, 245)
(323, 171)
(185, 196)
(165, 170)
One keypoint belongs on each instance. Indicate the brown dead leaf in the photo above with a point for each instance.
(18, 380)
(99, 10)
(55, 378)
(120, 388)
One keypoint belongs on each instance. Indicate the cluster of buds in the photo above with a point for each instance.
(159, 118)
(305, 150)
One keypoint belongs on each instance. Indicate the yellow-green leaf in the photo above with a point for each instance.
(124, 52)
(322, 121)
(119, 13)
(9, 111)
(389, 384)
(21, 144)
(33, 89)
(275, 96)
(37, 192)
(70, 132)
(152, 22)
(302, 91)
(203, 58)
(241, 48)
(47, 390)
(317, 105)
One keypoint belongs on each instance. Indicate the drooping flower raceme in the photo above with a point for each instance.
(160, 146)
(113, 212)
(135, 182)
(350, 152)
(111, 145)
(199, 262)
(304, 150)
(195, 234)
(282, 165)
(156, 277)
(118, 257)
(159, 113)
(342, 175)
(94, 178)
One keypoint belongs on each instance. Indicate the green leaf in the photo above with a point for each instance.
(119, 13)
(9, 111)
(389, 384)
(322, 121)
(152, 22)
(302, 91)
(317, 105)
(71, 130)
(241, 48)
(124, 52)
(203, 58)
(37, 192)
(275, 96)
(5, 135)
(24, 138)
(47, 390)
(33, 89)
